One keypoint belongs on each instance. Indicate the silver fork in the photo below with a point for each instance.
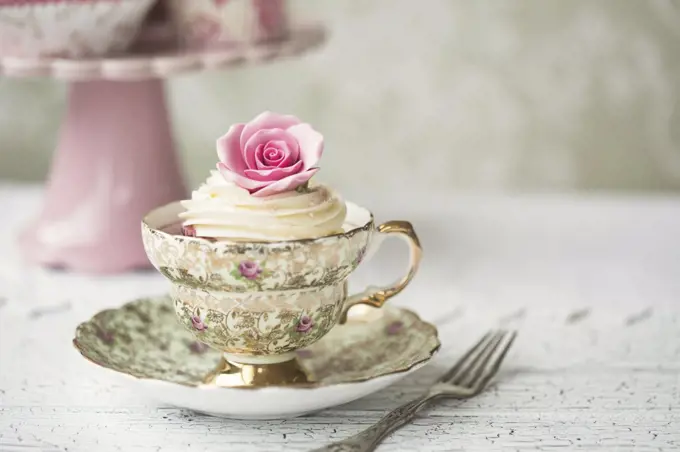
(467, 378)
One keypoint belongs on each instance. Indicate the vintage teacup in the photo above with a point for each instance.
(259, 302)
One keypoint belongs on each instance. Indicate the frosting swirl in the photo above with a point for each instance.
(222, 210)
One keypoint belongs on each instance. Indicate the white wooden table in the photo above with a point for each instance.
(593, 285)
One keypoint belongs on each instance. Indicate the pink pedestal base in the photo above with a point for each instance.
(115, 161)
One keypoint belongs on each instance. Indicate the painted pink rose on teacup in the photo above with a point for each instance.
(271, 154)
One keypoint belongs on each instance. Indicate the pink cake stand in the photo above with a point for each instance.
(115, 159)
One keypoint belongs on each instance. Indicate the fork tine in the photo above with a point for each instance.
(484, 379)
(456, 367)
(476, 370)
(480, 345)
(475, 366)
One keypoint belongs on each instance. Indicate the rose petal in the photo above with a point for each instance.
(273, 174)
(263, 162)
(310, 141)
(229, 149)
(238, 179)
(267, 120)
(286, 184)
(275, 152)
(264, 137)
(259, 157)
(293, 155)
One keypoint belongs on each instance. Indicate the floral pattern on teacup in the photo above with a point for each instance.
(249, 269)
(257, 298)
(305, 324)
(198, 322)
(259, 322)
(261, 266)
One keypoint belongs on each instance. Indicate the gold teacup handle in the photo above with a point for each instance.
(377, 296)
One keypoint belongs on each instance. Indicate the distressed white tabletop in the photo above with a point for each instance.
(592, 284)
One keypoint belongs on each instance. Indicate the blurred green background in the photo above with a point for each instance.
(528, 95)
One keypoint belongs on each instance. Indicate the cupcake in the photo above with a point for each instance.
(262, 188)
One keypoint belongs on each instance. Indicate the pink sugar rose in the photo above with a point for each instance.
(271, 154)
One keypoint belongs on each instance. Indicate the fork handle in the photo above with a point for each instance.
(368, 439)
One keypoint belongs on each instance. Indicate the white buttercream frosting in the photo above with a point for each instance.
(222, 210)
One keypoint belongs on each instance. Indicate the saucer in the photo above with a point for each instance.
(143, 341)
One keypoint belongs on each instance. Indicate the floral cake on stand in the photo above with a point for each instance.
(115, 157)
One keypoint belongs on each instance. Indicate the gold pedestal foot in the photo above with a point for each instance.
(230, 374)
